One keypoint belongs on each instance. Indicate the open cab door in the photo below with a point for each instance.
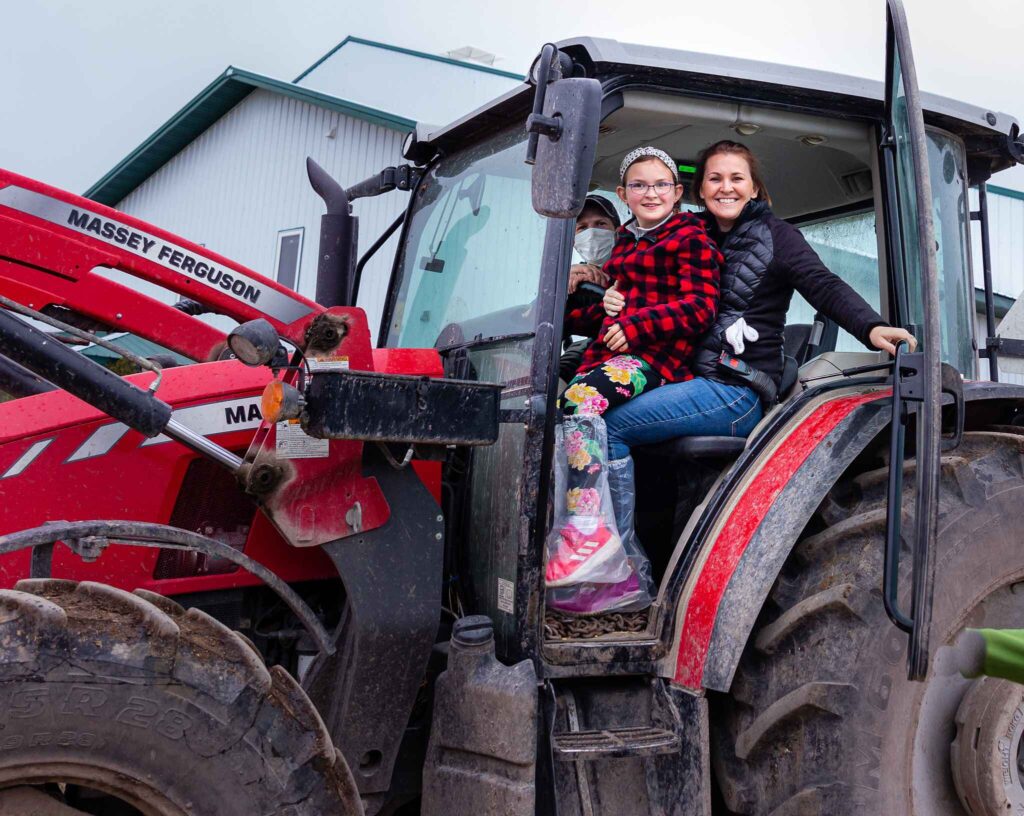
(917, 378)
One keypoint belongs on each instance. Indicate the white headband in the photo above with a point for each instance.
(647, 152)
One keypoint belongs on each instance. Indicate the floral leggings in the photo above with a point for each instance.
(588, 396)
(611, 384)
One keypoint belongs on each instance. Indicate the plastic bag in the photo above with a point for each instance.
(595, 563)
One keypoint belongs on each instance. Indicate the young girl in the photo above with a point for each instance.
(667, 270)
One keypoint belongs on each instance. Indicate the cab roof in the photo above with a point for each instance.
(811, 91)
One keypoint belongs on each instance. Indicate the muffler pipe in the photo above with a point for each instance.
(339, 234)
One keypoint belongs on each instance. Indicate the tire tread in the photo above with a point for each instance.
(795, 683)
(51, 630)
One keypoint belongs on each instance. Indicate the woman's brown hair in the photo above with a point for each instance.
(726, 146)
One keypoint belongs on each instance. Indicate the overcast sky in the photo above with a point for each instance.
(83, 84)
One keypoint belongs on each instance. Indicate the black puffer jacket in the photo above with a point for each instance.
(766, 259)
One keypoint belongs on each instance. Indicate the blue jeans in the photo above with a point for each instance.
(696, 407)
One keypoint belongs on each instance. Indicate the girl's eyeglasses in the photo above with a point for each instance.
(638, 188)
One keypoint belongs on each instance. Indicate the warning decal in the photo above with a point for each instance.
(295, 443)
(506, 596)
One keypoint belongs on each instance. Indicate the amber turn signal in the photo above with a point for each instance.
(281, 401)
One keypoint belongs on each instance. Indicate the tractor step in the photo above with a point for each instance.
(575, 746)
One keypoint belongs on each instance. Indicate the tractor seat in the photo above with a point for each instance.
(796, 338)
(695, 447)
(688, 448)
(697, 461)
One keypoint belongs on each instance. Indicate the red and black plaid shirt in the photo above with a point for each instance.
(669, 279)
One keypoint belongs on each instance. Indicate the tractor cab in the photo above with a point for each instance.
(481, 275)
(813, 578)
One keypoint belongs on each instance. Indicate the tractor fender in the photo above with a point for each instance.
(746, 546)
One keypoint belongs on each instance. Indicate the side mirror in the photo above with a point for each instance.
(567, 129)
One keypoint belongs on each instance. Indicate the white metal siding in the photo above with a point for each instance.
(1004, 375)
(1006, 235)
(244, 179)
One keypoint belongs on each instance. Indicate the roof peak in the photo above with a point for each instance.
(228, 89)
(473, 66)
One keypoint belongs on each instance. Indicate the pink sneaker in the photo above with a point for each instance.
(587, 552)
(593, 599)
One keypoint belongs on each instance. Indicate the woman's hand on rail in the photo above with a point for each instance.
(886, 337)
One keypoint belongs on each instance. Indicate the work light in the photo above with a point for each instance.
(255, 342)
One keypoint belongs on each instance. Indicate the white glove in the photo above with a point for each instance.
(737, 333)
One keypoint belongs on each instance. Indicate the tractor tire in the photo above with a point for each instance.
(124, 703)
(821, 718)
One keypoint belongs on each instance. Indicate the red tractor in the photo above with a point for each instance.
(378, 540)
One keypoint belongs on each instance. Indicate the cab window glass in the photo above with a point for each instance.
(848, 247)
(471, 261)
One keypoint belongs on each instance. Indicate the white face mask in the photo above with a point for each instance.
(594, 245)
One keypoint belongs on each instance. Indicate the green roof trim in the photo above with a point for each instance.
(1002, 303)
(399, 50)
(208, 106)
(1005, 191)
(133, 343)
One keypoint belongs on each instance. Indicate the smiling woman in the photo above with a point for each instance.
(731, 178)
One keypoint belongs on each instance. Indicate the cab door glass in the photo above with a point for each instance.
(914, 242)
(906, 175)
(912, 181)
(951, 217)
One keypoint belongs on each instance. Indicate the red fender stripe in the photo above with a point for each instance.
(732, 541)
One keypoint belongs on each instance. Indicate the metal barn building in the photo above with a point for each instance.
(1006, 227)
(228, 170)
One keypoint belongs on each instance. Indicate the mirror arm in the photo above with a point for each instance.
(1015, 144)
(547, 56)
(404, 177)
(550, 126)
(1006, 345)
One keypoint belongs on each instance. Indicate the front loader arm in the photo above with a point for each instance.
(115, 306)
(66, 236)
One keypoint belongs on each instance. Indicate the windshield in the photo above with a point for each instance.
(471, 260)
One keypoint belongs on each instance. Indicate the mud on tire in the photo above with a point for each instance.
(166, 710)
(820, 717)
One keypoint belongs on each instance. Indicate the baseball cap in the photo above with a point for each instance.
(605, 206)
